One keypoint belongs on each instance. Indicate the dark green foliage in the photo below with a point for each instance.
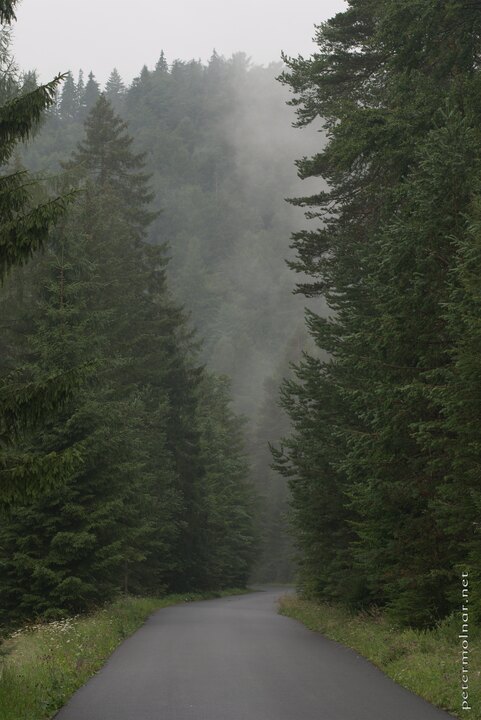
(147, 507)
(26, 217)
(459, 500)
(7, 11)
(215, 139)
(410, 561)
(377, 431)
(24, 221)
(229, 531)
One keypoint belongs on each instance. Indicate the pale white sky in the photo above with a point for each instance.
(53, 36)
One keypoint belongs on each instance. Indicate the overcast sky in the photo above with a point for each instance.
(58, 35)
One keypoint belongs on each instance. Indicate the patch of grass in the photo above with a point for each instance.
(42, 665)
(426, 662)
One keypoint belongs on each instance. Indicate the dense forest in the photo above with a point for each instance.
(384, 454)
(219, 149)
(167, 401)
(123, 466)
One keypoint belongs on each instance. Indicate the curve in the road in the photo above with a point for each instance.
(237, 659)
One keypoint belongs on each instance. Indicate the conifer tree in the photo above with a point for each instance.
(68, 106)
(80, 95)
(24, 224)
(229, 531)
(162, 65)
(150, 330)
(26, 216)
(87, 539)
(367, 457)
(115, 89)
(458, 502)
(91, 93)
(62, 551)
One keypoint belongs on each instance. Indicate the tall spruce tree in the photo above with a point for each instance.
(91, 93)
(115, 90)
(458, 503)
(26, 216)
(149, 329)
(367, 459)
(68, 105)
(105, 303)
(70, 548)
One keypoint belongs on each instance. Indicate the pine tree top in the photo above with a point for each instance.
(106, 151)
(114, 85)
(106, 157)
(7, 11)
(162, 65)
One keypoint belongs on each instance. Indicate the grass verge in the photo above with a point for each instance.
(41, 666)
(426, 662)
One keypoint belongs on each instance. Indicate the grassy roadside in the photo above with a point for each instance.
(41, 666)
(426, 662)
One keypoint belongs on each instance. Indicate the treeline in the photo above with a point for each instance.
(384, 459)
(217, 140)
(122, 466)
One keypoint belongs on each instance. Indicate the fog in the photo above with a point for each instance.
(266, 149)
(55, 35)
(220, 151)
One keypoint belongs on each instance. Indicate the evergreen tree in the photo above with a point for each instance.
(7, 11)
(67, 549)
(106, 156)
(230, 534)
(218, 164)
(458, 501)
(409, 561)
(26, 216)
(115, 89)
(25, 224)
(79, 544)
(80, 95)
(368, 424)
(161, 65)
(68, 107)
(91, 93)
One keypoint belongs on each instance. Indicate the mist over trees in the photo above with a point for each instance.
(220, 152)
(156, 496)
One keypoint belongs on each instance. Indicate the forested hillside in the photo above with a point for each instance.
(123, 466)
(220, 152)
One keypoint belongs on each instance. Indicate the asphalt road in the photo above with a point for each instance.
(236, 659)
